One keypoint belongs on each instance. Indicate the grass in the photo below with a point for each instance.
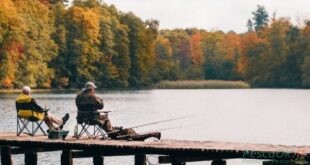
(202, 84)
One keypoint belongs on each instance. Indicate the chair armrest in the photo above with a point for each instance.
(102, 111)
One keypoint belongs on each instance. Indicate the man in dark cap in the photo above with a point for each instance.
(87, 101)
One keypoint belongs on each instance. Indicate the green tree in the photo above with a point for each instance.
(260, 17)
(61, 62)
(249, 25)
(306, 72)
(141, 49)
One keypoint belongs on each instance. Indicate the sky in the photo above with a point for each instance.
(223, 15)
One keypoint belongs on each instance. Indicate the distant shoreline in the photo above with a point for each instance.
(181, 84)
(203, 84)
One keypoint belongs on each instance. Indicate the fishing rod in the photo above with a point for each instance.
(169, 128)
(161, 121)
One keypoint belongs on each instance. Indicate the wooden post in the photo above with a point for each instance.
(98, 160)
(140, 160)
(31, 158)
(218, 162)
(6, 158)
(66, 157)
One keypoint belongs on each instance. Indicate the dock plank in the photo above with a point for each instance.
(164, 147)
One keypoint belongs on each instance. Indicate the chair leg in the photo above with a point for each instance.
(86, 129)
(39, 127)
(30, 129)
(22, 125)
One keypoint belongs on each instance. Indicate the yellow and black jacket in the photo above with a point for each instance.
(27, 108)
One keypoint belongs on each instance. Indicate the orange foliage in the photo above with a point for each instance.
(14, 52)
(247, 42)
(231, 45)
(196, 49)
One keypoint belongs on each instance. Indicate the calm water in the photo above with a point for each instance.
(253, 116)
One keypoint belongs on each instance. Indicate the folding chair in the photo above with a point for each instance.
(29, 119)
(86, 120)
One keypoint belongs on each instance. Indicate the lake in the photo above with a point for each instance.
(273, 116)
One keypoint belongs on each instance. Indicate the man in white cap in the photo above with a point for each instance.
(25, 100)
(87, 101)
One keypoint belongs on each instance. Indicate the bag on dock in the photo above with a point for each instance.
(57, 134)
(130, 134)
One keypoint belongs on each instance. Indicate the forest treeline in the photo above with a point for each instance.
(46, 44)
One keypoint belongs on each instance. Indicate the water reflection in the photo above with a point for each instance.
(254, 116)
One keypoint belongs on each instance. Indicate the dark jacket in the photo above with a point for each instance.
(86, 101)
(26, 102)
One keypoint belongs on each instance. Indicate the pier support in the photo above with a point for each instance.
(6, 158)
(218, 162)
(66, 157)
(98, 160)
(31, 158)
(140, 160)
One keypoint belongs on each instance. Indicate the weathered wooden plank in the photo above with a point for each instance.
(31, 158)
(6, 158)
(193, 149)
(90, 153)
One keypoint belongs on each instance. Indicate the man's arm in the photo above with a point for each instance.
(35, 105)
(98, 102)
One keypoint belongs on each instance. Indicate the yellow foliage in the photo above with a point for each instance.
(88, 19)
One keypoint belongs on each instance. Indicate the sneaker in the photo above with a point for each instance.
(64, 120)
(158, 135)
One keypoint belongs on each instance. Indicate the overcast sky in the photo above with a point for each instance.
(210, 14)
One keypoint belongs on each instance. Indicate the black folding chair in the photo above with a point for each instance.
(86, 120)
(29, 119)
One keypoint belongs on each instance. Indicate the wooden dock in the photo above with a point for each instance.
(169, 151)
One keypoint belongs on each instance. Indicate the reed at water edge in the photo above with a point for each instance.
(202, 84)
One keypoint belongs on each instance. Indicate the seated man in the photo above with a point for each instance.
(25, 99)
(87, 102)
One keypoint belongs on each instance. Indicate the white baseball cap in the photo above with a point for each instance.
(90, 85)
(26, 89)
